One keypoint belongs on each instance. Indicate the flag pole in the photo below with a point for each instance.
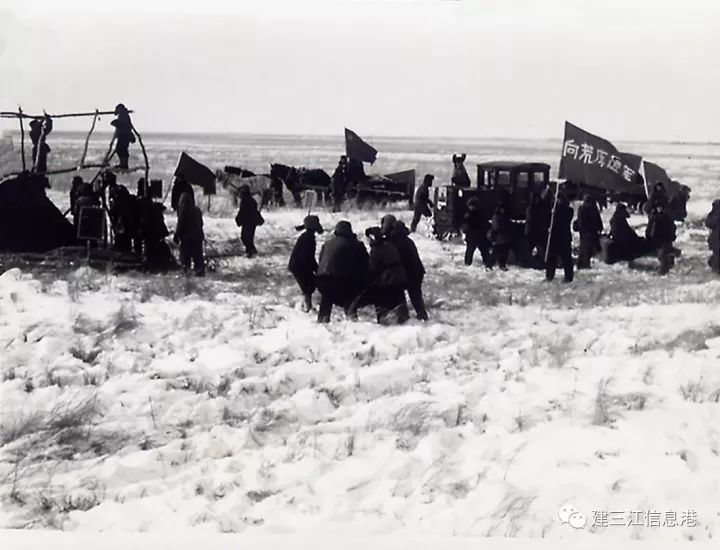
(552, 221)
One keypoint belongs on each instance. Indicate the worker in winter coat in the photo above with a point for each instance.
(500, 237)
(422, 204)
(342, 270)
(476, 226)
(303, 264)
(123, 135)
(660, 235)
(414, 269)
(589, 224)
(712, 222)
(386, 281)
(180, 186)
(560, 247)
(627, 244)
(247, 219)
(338, 183)
(39, 130)
(190, 235)
(537, 220)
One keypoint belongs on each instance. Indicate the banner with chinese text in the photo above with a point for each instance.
(592, 160)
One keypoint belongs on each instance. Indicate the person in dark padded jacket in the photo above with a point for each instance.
(589, 224)
(414, 268)
(660, 235)
(302, 263)
(386, 281)
(560, 247)
(189, 234)
(247, 219)
(342, 270)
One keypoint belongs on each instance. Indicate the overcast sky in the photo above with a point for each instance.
(625, 69)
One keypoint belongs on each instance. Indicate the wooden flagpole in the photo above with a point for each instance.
(552, 221)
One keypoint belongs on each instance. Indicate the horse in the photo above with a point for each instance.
(300, 179)
(233, 178)
(460, 176)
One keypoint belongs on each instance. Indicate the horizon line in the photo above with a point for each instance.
(14, 132)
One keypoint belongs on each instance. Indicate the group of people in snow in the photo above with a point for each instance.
(348, 276)
(548, 233)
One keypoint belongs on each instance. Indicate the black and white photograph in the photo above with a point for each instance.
(315, 274)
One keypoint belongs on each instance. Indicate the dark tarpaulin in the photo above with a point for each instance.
(357, 149)
(594, 161)
(196, 173)
(29, 221)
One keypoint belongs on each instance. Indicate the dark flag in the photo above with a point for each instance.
(592, 160)
(655, 173)
(357, 149)
(196, 173)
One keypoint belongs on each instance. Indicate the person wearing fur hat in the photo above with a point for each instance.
(560, 247)
(247, 219)
(342, 270)
(387, 222)
(303, 265)
(387, 280)
(414, 268)
(123, 135)
(422, 204)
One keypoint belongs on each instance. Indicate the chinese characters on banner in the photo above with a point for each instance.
(594, 161)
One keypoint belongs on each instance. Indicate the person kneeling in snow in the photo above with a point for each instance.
(302, 263)
(189, 233)
(387, 281)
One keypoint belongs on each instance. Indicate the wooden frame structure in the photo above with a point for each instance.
(20, 116)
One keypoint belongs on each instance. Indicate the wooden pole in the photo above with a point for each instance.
(10, 114)
(22, 138)
(87, 139)
(39, 150)
(552, 220)
(147, 162)
(74, 169)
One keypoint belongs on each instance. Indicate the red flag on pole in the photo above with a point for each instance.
(592, 160)
(357, 149)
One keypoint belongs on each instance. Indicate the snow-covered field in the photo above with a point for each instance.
(135, 403)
